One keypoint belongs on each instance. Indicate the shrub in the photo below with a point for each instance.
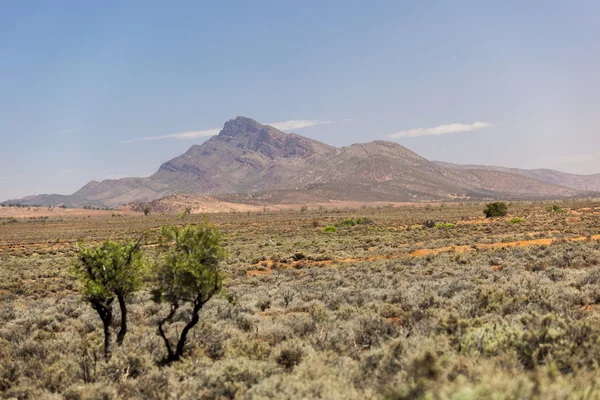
(429, 224)
(555, 208)
(188, 272)
(354, 221)
(516, 220)
(289, 355)
(443, 225)
(497, 209)
(109, 270)
(330, 229)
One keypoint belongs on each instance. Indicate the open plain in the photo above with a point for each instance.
(379, 307)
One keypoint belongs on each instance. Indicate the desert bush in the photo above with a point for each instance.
(497, 209)
(516, 220)
(443, 225)
(555, 208)
(289, 354)
(330, 229)
(108, 271)
(187, 272)
(348, 222)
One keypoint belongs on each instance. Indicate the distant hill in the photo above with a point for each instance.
(248, 160)
(587, 183)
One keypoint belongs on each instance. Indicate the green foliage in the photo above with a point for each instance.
(187, 211)
(189, 267)
(497, 209)
(444, 225)
(330, 229)
(353, 222)
(109, 269)
(555, 208)
(516, 220)
(187, 273)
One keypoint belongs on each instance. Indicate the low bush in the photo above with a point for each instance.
(354, 221)
(330, 229)
(497, 209)
(555, 208)
(516, 220)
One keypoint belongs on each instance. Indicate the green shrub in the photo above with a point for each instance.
(555, 208)
(354, 221)
(497, 209)
(516, 220)
(443, 225)
(330, 229)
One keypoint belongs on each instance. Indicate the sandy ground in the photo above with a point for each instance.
(33, 212)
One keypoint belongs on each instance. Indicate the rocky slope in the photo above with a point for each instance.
(259, 161)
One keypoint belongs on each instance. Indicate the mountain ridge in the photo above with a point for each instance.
(248, 157)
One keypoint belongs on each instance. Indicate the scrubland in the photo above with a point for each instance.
(379, 308)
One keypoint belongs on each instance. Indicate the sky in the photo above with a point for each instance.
(100, 90)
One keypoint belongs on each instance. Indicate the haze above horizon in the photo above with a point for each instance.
(95, 91)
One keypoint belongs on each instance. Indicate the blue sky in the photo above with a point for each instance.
(505, 83)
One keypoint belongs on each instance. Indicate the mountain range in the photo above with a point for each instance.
(250, 161)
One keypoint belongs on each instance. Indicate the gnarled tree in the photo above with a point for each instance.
(107, 271)
(187, 274)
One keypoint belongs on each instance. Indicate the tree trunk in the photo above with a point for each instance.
(123, 331)
(104, 310)
(170, 354)
(107, 339)
(184, 333)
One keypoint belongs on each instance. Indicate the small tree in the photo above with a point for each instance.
(147, 210)
(497, 209)
(107, 271)
(187, 273)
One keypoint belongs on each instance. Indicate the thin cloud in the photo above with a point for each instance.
(442, 130)
(282, 126)
(178, 136)
(297, 124)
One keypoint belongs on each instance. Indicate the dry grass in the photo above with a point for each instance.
(386, 309)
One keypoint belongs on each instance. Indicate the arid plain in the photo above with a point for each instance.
(382, 307)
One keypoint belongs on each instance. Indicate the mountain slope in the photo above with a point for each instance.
(248, 157)
(586, 183)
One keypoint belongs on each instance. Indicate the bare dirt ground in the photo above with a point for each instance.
(209, 205)
(33, 212)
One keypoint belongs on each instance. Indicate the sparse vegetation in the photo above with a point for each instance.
(330, 229)
(497, 209)
(386, 310)
(187, 272)
(107, 271)
(516, 220)
(555, 208)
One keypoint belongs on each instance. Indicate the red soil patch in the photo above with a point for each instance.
(421, 253)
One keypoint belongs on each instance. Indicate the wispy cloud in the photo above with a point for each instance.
(178, 136)
(441, 130)
(283, 126)
(297, 124)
